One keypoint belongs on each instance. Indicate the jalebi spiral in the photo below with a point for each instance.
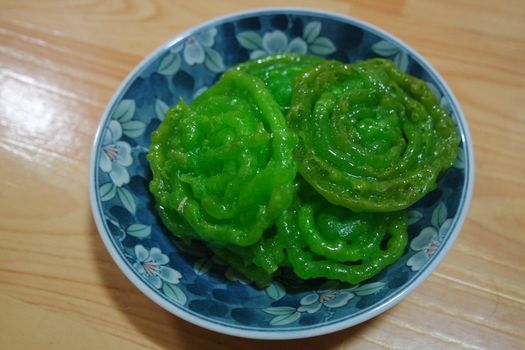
(371, 138)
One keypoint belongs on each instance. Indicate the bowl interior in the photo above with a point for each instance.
(187, 280)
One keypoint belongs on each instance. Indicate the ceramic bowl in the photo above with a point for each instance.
(191, 283)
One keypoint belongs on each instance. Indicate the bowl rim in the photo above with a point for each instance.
(270, 334)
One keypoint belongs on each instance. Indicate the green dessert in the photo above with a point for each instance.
(300, 162)
(371, 138)
(224, 163)
(330, 241)
(278, 72)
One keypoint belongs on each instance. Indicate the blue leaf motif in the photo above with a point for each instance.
(322, 46)
(257, 54)
(439, 215)
(297, 45)
(207, 38)
(169, 275)
(124, 111)
(309, 299)
(140, 252)
(311, 31)
(283, 315)
(370, 288)
(213, 60)
(424, 239)
(384, 48)
(126, 198)
(443, 101)
(275, 42)
(443, 230)
(174, 293)
(414, 216)
(311, 308)
(250, 40)
(138, 230)
(401, 61)
(170, 64)
(279, 310)
(275, 291)
(339, 300)
(193, 52)
(459, 163)
(133, 128)
(107, 191)
(417, 261)
(285, 319)
(161, 109)
(445, 104)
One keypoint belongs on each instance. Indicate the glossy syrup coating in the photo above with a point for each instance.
(224, 163)
(371, 138)
(301, 162)
(278, 72)
(323, 240)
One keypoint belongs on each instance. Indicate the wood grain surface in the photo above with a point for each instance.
(60, 62)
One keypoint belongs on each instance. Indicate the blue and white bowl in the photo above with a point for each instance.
(194, 285)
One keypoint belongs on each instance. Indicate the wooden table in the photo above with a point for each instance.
(60, 61)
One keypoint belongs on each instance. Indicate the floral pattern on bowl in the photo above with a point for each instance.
(277, 41)
(189, 281)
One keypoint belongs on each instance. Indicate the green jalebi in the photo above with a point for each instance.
(372, 138)
(224, 163)
(278, 72)
(368, 139)
(325, 240)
